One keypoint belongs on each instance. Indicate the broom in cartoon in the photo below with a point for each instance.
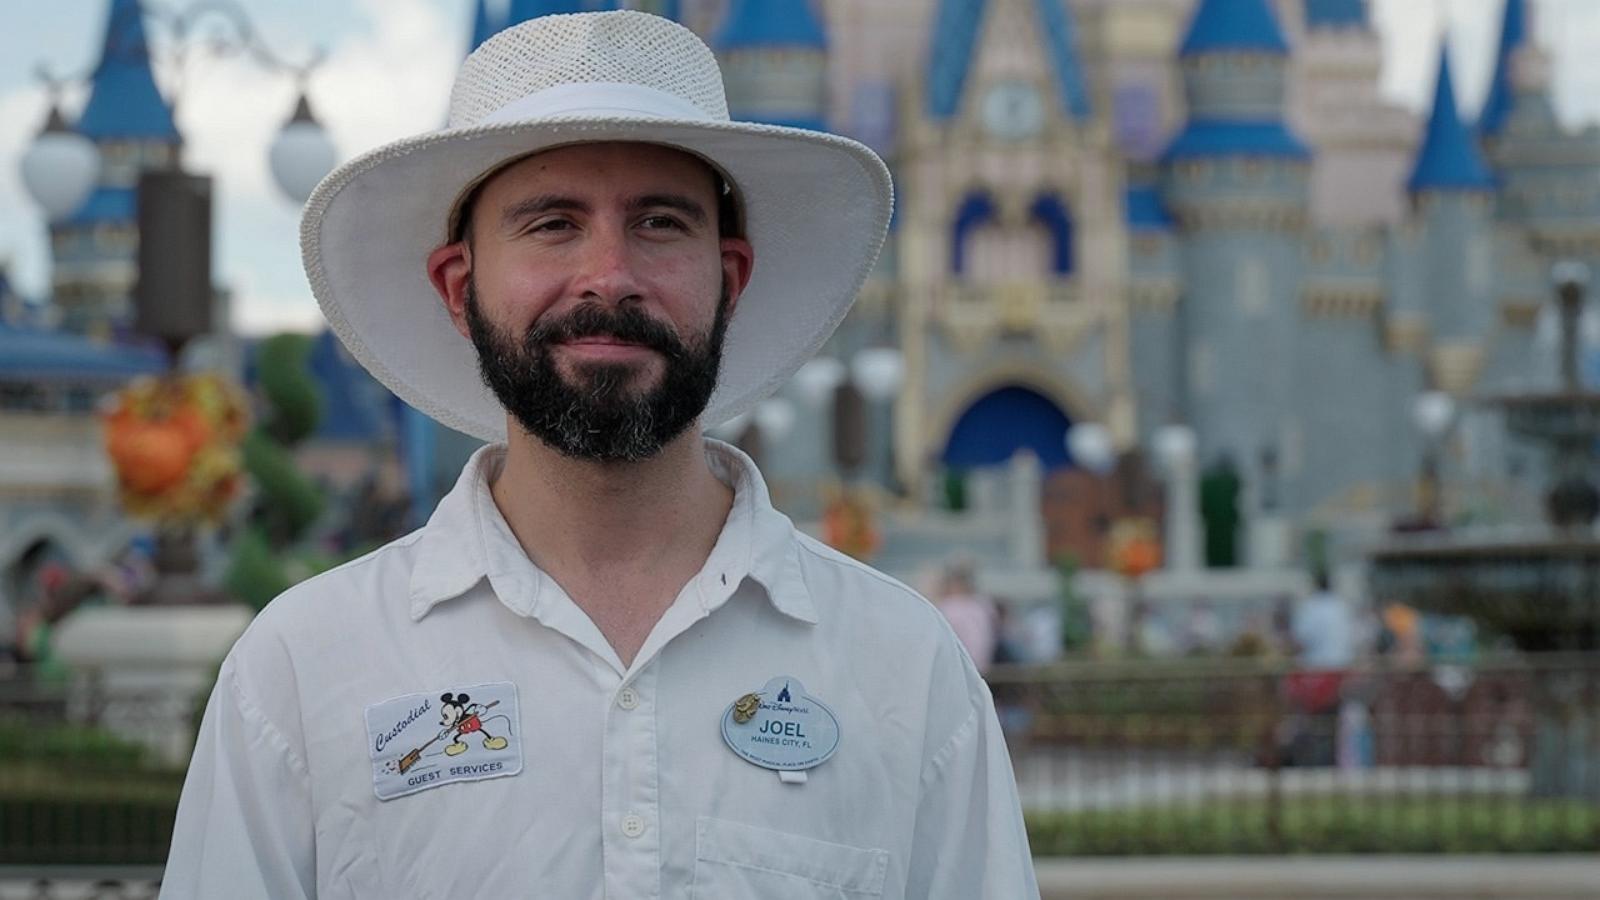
(410, 759)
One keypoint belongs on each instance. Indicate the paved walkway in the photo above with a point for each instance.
(1134, 878)
(1323, 878)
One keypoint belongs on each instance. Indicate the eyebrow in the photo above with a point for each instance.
(525, 209)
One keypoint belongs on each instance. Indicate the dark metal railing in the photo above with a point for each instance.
(1149, 757)
(77, 788)
(1243, 757)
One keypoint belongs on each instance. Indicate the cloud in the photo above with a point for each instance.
(272, 313)
(1568, 29)
(1411, 32)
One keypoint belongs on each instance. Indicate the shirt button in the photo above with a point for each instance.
(628, 698)
(632, 826)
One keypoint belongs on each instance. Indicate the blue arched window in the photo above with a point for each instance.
(1049, 212)
(976, 211)
(1006, 420)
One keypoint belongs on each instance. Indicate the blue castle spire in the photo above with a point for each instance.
(770, 23)
(1233, 25)
(1336, 14)
(1235, 105)
(955, 35)
(484, 25)
(523, 10)
(1449, 159)
(124, 102)
(774, 56)
(1513, 32)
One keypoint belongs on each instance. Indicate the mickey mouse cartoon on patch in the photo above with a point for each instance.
(460, 717)
(464, 717)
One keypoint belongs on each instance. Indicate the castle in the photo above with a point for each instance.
(1145, 212)
(1128, 212)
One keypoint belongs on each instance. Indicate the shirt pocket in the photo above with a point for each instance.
(738, 862)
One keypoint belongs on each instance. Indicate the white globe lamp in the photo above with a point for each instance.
(302, 154)
(60, 168)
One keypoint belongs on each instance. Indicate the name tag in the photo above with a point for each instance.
(434, 738)
(781, 728)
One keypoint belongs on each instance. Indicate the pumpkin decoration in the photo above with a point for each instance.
(847, 524)
(174, 442)
(1135, 548)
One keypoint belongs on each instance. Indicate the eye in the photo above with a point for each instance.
(550, 225)
(660, 221)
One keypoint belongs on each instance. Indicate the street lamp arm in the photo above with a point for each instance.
(245, 36)
(181, 24)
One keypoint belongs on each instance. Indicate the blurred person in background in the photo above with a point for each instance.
(1323, 628)
(972, 615)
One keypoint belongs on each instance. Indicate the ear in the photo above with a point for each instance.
(462, 699)
(738, 261)
(450, 272)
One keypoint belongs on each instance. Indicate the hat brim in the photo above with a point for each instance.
(816, 212)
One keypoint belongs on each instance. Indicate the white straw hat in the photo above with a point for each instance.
(816, 206)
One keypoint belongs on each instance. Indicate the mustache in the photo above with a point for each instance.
(627, 324)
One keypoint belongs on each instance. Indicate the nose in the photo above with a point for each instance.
(606, 267)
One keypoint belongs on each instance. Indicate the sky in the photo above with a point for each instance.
(229, 108)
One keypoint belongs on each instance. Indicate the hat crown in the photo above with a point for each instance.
(611, 48)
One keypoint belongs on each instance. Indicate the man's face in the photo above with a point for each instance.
(598, 295)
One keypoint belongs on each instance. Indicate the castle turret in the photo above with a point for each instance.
(1235, 178)
(95, 249)
(484, 25)
(523, 10)
(774, 56)
(1452, 192)
(1497, 106)
(1362, 143)
(1547, 180)
(1449, 159)
(1336, 15)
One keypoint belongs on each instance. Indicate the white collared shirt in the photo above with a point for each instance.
(587, 778)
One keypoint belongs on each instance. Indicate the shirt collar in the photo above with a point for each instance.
(757, 541)
(466, 540)
(451, 553)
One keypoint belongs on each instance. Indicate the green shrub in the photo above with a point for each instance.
(1323, 824)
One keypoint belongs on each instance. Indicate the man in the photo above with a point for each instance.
(695, 699)
(1324, 634)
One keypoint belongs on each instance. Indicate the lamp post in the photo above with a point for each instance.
(856, 389)
(1432, 412)
(1175, 451)
(872, 377)
(61, 166)
(1574, 502)
(1091, 447)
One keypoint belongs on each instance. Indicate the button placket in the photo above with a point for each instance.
(633, 843)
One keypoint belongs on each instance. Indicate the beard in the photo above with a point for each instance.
(599, 415)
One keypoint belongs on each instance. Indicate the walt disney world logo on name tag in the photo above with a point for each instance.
(782, 728)
(421, 741)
